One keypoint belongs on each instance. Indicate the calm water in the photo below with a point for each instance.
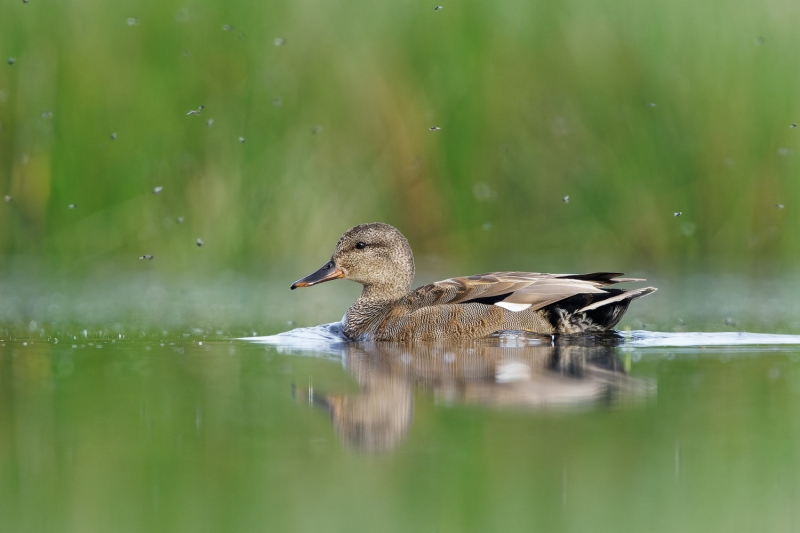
(128, 428)
(503, 434)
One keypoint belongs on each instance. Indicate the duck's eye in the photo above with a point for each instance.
(361, 245)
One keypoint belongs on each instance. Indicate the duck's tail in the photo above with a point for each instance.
(603, 312)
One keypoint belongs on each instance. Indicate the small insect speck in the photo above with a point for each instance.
(793, 125)
(779, 206)
(24, 1)
(72, 206)
(179, 220)
(199, 242)
(434, 128)
(7, 198)
(565, 199)
(437, 8)
(677, 213)
(196, 111)
(651, 104)
(132, 21)
(487, 226)
(146, 256)
(158, 189)
(316, 129)
(113, 136)
(209, 122)
(227, 27)
(277, 102)
(730, 322)
(242, 139)
(12, 60)
(279, 41)
(47, 114)
(784, 152)
(186, 53)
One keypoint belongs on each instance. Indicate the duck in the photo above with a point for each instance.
(378, 256)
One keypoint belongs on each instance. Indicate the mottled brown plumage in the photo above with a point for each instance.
(378, 257)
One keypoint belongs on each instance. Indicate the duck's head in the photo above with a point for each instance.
(375, 255)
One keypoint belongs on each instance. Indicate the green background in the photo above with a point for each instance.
(535, 100)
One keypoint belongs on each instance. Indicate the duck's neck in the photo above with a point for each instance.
(375, 301)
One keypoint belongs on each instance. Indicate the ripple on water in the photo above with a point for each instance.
(328, 338)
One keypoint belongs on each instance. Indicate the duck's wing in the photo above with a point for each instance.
(516, 291)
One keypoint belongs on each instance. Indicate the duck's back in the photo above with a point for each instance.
(477, 306)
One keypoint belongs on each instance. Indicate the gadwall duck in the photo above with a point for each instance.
(378, 257)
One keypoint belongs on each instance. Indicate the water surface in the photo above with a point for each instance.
(510, 433)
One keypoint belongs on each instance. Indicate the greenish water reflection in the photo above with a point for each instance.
(135, 436)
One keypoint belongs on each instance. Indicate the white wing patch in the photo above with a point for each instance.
(516, 308)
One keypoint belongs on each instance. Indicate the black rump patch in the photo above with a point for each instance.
(605, 316)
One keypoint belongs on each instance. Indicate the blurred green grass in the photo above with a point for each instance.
(535, 100)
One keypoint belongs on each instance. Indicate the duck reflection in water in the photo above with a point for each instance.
(505, 371)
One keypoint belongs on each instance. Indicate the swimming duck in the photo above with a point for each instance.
(379, 257)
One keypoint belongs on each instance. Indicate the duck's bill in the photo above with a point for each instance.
(328, 272)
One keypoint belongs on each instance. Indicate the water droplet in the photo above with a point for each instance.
(279, 41)
(113, 136)
(242, 139)
(12, 60)
(227, 27)
(132, 21)
(72, 206)
(316, 129)
(483, 192)
(565, 199)
(784, 152)
(158, 189)
(209, 122)
(651, 104)
(779, 206)
(47, 115)
(179, 220)
(277, 102)
(759, 41)
(7, 198)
